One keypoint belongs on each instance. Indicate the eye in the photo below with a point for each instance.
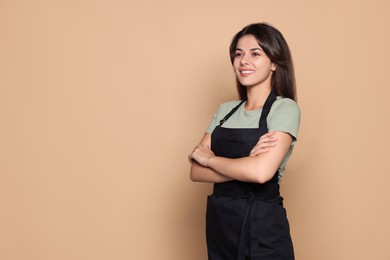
(237, 54)
(254, 54)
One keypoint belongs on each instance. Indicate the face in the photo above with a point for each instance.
(251, 65)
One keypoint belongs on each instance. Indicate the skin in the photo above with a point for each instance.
(254, 71)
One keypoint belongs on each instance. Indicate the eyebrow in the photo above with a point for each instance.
(253, 49)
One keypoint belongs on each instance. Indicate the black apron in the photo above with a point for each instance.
(246, 220)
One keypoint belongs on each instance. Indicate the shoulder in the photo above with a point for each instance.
(285, 104)
(230, 104)
(285, 107)
(222, 111)
(226, 107)
(284, 116)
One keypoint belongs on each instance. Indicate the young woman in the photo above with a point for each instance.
(246, 148)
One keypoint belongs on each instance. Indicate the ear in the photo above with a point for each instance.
(273, 66)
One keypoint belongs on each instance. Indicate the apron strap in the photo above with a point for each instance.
(264, 113)
(266, 108)
(241, 243)
(231, 113)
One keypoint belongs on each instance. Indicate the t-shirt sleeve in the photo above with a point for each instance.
(285, 116)
(213, 123)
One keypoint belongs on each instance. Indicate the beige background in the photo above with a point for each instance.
(101, 101)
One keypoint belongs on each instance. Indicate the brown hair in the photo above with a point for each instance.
(276, 48)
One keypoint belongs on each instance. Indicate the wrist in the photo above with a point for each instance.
(210, 161)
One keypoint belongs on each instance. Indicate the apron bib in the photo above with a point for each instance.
(246, 220)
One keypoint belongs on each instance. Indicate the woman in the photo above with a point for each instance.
(245, 215)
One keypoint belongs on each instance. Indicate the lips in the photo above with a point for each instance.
(246, 72)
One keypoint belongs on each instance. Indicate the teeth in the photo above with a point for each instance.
(247, 72)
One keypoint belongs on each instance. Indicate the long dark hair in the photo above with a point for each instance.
(276, 48)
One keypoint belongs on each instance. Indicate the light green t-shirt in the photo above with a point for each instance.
(284, 116)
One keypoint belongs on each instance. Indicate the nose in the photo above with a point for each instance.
(245, 60)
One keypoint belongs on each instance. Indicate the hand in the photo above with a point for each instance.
(201, 154)
(265, 142)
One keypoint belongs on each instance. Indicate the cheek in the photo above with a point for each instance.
(235, 66)
(236, 71)
(237, 63)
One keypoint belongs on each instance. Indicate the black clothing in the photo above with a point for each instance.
(246, 220)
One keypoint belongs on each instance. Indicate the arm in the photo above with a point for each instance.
(265, 142)
(260, 168)
(201, 173)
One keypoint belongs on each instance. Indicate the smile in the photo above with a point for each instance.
(246, 72)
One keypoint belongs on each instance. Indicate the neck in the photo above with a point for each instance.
(257, 97)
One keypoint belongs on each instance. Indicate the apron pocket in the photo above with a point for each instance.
(270, 232)
(224, 218)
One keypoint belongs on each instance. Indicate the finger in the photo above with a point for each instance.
(267, 141)
(259, 147)
(269, 134)
(263, 145)
(256, 153)
(190, 158)
(259, 151)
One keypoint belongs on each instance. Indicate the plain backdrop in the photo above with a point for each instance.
(102, 101)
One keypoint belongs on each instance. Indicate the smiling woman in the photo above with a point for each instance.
(251, 65)
(246, 148)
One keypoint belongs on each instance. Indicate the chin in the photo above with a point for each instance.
(248, 85)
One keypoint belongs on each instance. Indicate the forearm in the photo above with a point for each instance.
(247, 169)
(200, 173)
(258, 169)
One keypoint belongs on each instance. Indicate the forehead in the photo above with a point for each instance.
(247, 42)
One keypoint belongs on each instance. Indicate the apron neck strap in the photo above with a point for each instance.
(231, 113)
(266, 108)
(264, 113)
